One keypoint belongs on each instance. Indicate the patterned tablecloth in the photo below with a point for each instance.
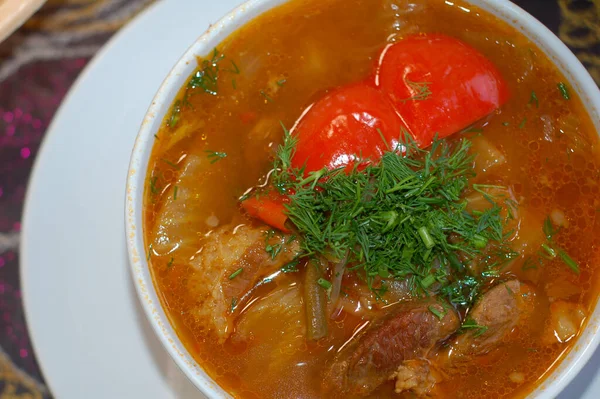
(39, 63)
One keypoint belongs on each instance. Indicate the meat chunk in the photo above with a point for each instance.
(415, 375)
(231, 263)
(496, 315)
(487, 325)
(410, 332)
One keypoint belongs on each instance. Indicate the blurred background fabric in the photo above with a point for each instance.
(38, 65)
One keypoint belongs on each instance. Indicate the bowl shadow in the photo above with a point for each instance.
(179, 384)
(583, 383)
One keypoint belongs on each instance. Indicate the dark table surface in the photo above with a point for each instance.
(38, 64)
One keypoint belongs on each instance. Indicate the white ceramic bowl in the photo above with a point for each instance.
(503, 9)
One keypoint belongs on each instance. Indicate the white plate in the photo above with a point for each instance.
(89, 333)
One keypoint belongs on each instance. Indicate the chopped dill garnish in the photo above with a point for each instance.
(215, 156)
(522, 124)
(470, 324)
(549, 251)
(170, 263)
(281, 178)
(463, 291)
(149, 252)
(236, 273)
(529, 264)
(156, 136)
(273, 249)
(207, 75)
(505, 123)
(281, 82)
(175, 114)
(421, 90)
(568, 261)
(291, 267)
(564, 91)
(235, 69)
(175, 189)
(233, 304)
(324, 283)
(233, 84)
(548, 228)
(153, 188)
(171, 164)
(534, 99)
(403, 217)
(426, 237)
(266, 96)
(437, 313)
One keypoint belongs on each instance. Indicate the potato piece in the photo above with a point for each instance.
(566, 318)
(529, 234)
(487, 156)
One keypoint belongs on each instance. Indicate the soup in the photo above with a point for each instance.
(375, 199)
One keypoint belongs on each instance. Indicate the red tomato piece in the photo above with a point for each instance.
(439, 84)
(349, 123)
(269, 208)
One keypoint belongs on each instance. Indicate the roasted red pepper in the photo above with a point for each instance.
(269, 208)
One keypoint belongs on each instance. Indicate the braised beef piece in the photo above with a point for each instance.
(497, 313)
(409, 332)
(233, 261)
(489, 324)
(417, 375)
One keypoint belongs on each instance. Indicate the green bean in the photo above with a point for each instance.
(315, 301)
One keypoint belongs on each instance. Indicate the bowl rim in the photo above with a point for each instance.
(516, 17)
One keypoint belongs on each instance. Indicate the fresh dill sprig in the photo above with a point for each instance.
(267, 98)
(421, 90)
(533, 99)
(282, 165)
(206, 77)
(470, 324)
(273, 247)
(175, 114)
(215, 156)
(153, 187)
(549, 249)
(564, 90)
